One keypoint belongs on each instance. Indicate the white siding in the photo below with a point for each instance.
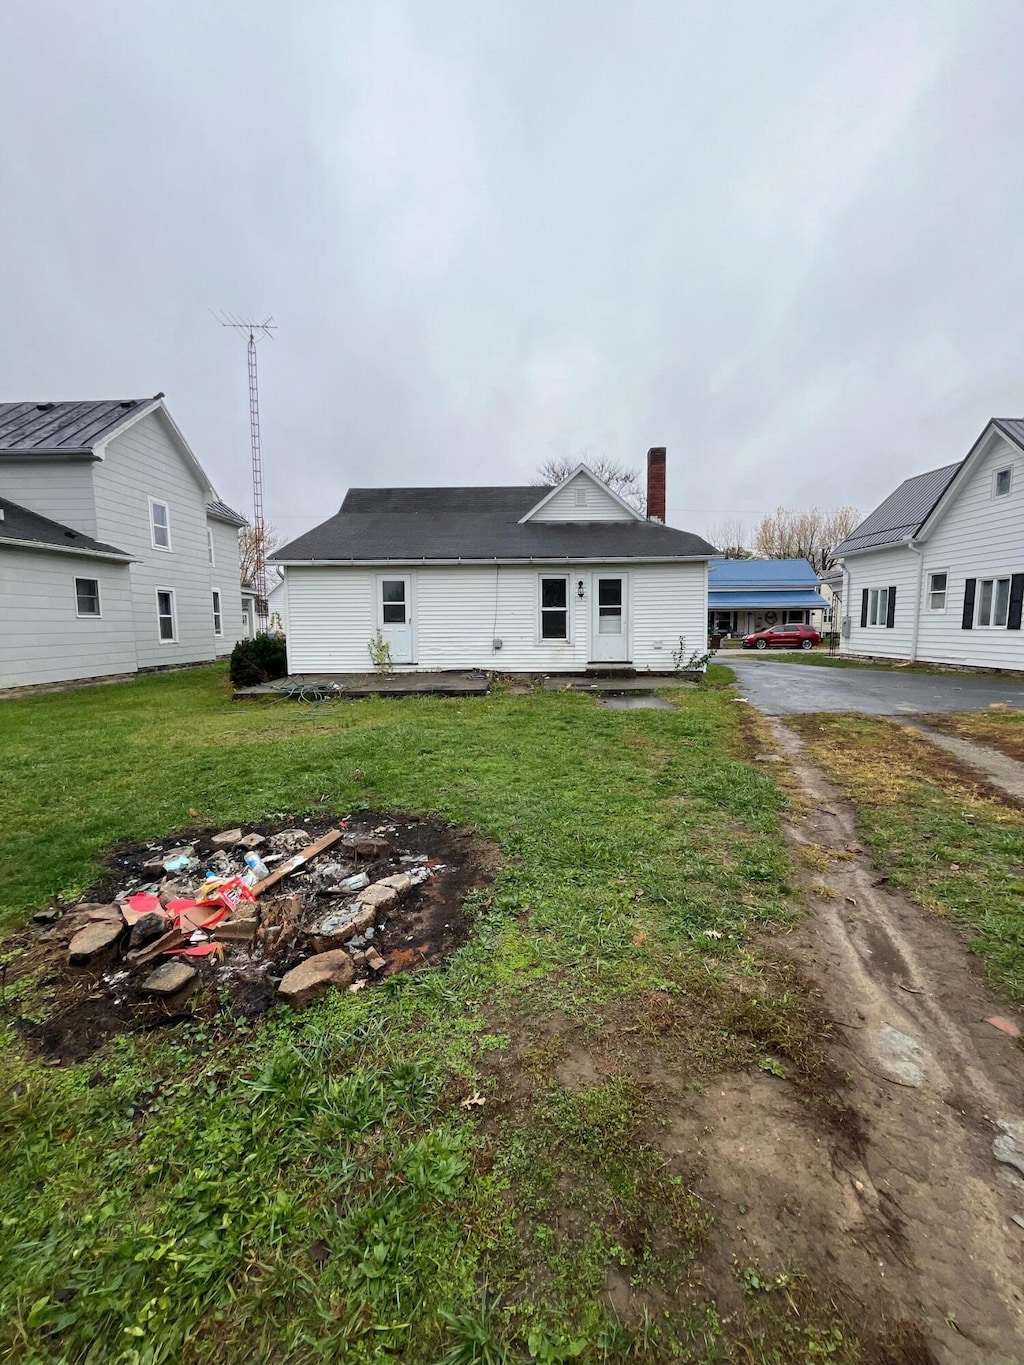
(979, 537)
(146, 461)
(42, 638)
(458, 612)
(60, 489)
(226, 578)
(598, 506)
(882, 569)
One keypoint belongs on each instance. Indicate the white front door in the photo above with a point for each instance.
(394, 614)
(609, 634)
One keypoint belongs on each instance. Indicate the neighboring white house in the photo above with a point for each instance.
(936, 573)
(115, 552)
(516, 579)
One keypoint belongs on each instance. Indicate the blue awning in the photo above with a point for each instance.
(763, 600)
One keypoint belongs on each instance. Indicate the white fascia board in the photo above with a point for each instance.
(581, 469)
(159, 405)
(16, 544)
(977, 452)
(449, 563)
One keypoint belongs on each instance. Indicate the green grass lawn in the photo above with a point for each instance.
(308, 1187)
(934, 828)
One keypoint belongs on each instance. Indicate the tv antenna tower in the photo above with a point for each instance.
(256, 332)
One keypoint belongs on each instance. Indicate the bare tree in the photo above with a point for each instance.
(622, 479)
(730, 539)
(810, 535)
(249, 541)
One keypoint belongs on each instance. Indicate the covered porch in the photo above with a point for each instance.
(738, 613)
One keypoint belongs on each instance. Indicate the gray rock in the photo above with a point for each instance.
(146, 929)
(46, 917)
(290, 840)
(251, 841)
(226, 839)
(96, 940)
(1009, 1148)
(312, 978)
(169, 978)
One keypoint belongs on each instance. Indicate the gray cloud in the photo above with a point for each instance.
(780, 239)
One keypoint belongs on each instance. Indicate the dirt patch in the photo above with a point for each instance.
(932, 1084)
(1000, 770)
(69, 1011)
(1001, 731)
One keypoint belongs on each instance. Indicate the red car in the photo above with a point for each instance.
(793, 636)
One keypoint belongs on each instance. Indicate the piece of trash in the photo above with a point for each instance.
(257, 866)
(712, 933)
(357, 883)
(1004, 1025)
(474, 1101)
(142, 903)
(358, 986)
(178, 864)
(639, 940)
(955, 867)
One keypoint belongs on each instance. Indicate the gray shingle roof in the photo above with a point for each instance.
(19, 524)
(222, 512)
(403, 525)
(66, 427)
(903, 512)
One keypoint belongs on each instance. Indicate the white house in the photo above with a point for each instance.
(515, 579)
(115, 552)
(936, 572)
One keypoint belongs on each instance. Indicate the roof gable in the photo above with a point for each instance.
(555, 506)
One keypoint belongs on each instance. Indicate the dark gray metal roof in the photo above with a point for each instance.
(409, 524)
(20, 524)
(222, 512)
(67, 427)
(1013, 427)
(903, 512)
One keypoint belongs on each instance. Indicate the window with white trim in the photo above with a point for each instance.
(209, 544)
(87, 596)
(218, 622)
(1002, 482)
(878, 606)
(554, 608)
(993, 601)
(160, 524)
(938, 584)
(166, 624)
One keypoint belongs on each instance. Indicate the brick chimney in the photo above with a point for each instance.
(656, 483)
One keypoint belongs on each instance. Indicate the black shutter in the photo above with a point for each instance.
(1016, 602)
(890, 614)
(863, 608)
(970, 587)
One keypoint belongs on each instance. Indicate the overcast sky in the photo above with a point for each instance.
(781, 238)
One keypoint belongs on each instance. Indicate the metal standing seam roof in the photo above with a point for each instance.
(222, 512)
(902, 513)
(19, 524)
(755, 600)
(404, 525)
(761, 573)
(71, 428)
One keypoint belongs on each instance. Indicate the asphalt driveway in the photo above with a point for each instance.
(781, 689)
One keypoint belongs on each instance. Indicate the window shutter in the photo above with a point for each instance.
(890, 614)
(970, 587)
(1016, 601)
(863, 608)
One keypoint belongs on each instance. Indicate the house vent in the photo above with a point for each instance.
(581, 497)
(45, 407)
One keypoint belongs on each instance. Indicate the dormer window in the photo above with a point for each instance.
(160, 524)
(1003, 480)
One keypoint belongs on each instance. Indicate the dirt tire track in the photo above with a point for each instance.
(931, 1083)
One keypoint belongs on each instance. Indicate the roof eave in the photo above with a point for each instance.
(496, 559)
(116, 555)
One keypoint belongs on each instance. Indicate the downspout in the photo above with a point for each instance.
(915, 627)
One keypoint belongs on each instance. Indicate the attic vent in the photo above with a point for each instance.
(581, 497)
(45, 407)
(1, 514)
(128, 403)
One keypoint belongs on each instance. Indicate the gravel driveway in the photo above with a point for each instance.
(781, 689)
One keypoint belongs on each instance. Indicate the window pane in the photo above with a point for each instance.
(393, 590)
(1002, 602)
(552, 592)
(609, 621)
(938, 601)
(1002, 482)
(883, 605)
(609, 592)
(553, 624)
(163, 600)
(87, 591)
(985, 604)
(394, 613)
(938, 582)
(166, 628)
